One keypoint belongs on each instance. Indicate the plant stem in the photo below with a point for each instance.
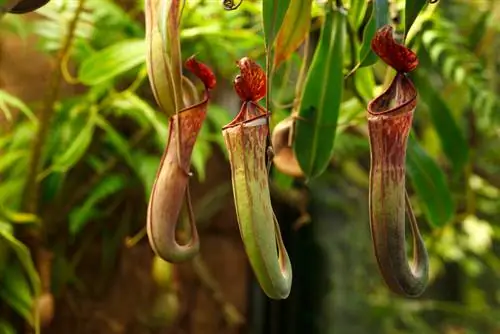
(33, 237)
(230, 313)
(32, 186)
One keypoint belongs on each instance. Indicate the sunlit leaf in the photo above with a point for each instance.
(19, 217)
(77, 148)
(429, 183)
(15, 291)
(112, 61)
(142, 112)
(412, 9)
(379, 18)
(7, 100)
(273, 14)
(321, 99)
(293, 31)
(10, 158)
(356, 12)
(25, 260)
(364, 81)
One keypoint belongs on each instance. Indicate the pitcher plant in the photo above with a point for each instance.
(246, 141)
(390, 118)
(186, 108)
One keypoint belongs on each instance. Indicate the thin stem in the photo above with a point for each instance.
(303, 69)
(32, 186)
(132, 241)
(352, 45)
(231, 314)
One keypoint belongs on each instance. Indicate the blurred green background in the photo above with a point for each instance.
(75, 98)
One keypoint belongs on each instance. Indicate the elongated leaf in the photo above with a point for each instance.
(108, 186)
(356, 10)
(19, 217)
(24, 257)
(202, 151)
(6, 328)
(293, 31)
(364, 81)
(320, 103)
(7, 100)
(379, 18)
(12, 157)
(15, 291)
(112, 61)
(77, 148)
(429, 183)
(147, 171)
(412, 9)
(451, 137)
(120, 144)
(142, 112)
(273, 14)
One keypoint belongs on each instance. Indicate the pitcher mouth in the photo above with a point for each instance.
(402, 91)
(240, 119)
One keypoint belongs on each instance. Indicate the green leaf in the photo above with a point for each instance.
(10, 158)
(201, 153)
(379, 18)
(77, 148)
(116, 139)
(140, 110)
(18, 217)
(7, 100)
(321, 98)
(24, 258)
(6, 328)
(15, 291)
(217, 116)
(452, 139)
(273, 14)
(412, 9)
(147, 171)
(108, 186)
(112, 61)
(364, 81)
(429, 183)
(293, 31)
(356, 10)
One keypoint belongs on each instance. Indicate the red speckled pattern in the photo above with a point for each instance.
(251, 84)
(202, 71)
(389, 127)
(393, 54)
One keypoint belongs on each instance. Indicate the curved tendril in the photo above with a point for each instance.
(231, 5)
